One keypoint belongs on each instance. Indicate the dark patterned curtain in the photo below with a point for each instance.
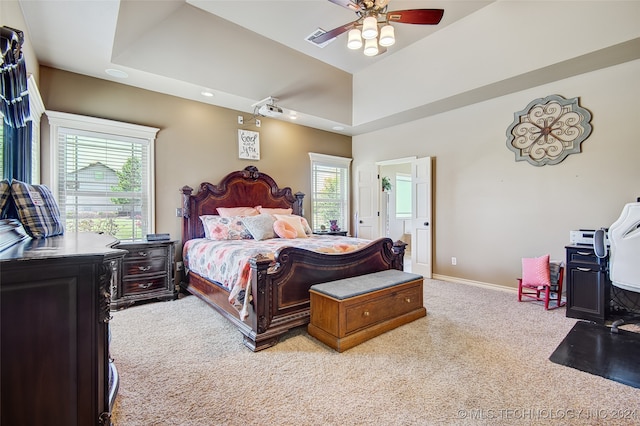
(14, 103)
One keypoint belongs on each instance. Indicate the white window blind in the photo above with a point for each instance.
(329, 191)
(104, 176)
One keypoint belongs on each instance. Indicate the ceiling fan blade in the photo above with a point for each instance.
(416, 16)
(333, 33)
(348, 4)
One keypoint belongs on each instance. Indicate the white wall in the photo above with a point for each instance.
(500, 45)
(489, 210)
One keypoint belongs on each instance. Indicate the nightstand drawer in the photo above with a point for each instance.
(143, 266)
(145, 252)
(144, 285)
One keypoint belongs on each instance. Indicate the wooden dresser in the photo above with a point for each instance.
(54, 307)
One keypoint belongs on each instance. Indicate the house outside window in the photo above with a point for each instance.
(329, 191)
(103, 175)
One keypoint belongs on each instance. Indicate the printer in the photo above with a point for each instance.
(583, 237)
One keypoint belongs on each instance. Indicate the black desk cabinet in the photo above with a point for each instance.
(588, 286)
(54, 306)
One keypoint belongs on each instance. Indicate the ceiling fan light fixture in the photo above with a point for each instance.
(387, 36)
(370, 28)
(371, 47)
(355, 39)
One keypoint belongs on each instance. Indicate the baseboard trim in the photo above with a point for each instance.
(474, 283)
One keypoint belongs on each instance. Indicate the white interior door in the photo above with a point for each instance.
(366, 216)
(421, 262)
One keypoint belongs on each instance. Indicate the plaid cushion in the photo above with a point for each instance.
(5, 193)
(37, 209)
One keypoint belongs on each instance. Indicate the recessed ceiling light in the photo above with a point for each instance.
(116, 73)
(207, 93)
(293, 115)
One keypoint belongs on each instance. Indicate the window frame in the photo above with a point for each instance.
(61, 121)
(337, 162)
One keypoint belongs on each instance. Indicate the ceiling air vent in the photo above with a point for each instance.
(315, 34)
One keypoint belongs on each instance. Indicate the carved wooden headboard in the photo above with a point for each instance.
(242, 188)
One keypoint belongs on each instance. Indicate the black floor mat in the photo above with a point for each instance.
(594, 349)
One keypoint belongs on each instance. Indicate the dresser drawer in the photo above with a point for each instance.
(144, 285)
(381, 308)
(581, 255)
(140, 266)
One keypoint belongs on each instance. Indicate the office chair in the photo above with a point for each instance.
(541, 289)
(624, 262)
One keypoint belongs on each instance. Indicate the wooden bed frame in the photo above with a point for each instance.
(280, 288)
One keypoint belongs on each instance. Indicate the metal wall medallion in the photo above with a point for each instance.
(548, 130)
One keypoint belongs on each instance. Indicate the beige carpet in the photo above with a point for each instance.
(479, 357)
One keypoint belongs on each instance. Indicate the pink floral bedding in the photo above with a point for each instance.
(227, 261)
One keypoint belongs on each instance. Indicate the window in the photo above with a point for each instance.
(403, 196)
(103, 175)
(329, 190)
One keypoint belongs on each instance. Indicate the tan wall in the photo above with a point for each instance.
(489, 210)
(197, 142)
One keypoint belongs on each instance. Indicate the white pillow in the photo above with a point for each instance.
(295, 221)
(261, 226)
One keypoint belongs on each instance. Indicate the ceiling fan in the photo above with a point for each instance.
(371, 13)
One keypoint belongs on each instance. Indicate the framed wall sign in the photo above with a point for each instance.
(248, 145)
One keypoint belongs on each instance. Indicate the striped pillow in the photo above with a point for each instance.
(37, 209)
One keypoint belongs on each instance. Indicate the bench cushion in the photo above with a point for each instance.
(355, 286)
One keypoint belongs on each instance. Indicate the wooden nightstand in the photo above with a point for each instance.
(145, 273)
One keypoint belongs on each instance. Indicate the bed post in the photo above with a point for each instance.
(260, 318)
(297, 206)
(186, 212)
(398, 249)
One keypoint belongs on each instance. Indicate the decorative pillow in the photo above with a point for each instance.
(5, 194)
(284, 229)
(260, 227)
(224, 228)
(305, 225)
(535, 271)
(295, 222)
(237, 211)
(37, 209)
(274, 210)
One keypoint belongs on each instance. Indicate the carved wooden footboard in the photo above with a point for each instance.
(280, 287)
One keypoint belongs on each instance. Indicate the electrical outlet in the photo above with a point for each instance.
(179, 266)
(178, 212)
(454, 261)
(240, 119)
(258, 122)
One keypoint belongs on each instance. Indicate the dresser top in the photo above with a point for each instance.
(73, 244)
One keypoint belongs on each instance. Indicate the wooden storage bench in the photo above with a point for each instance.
(347, 312)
